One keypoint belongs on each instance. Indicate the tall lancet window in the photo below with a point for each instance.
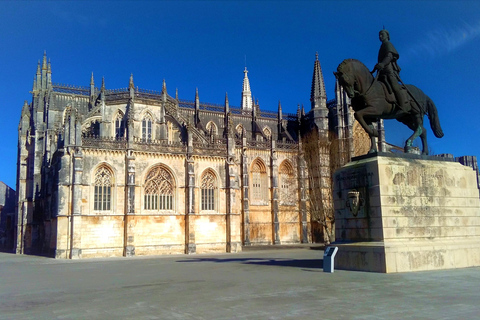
(287, 184)
(209, 190)
(103, 189)
(159, 190)
(147, 128)
(119, 126)
(259, 182)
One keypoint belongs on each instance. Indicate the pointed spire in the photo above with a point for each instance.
(49, 67)
(318, 96)
(92, 83)
(103, 84)
(34, 84)
(226, 100)
(164, 87)
(38, 68)
(130, 84)
(280, 114)
(44, 65)
(176, 94)
(246, 92)
(25, 108)
(226, 109)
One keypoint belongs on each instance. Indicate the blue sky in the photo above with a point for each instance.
(204, 45)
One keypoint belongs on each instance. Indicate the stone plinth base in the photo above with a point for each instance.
(401, 214)
(390, 257)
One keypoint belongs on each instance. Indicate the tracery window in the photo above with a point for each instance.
(208, 190)
(287, 184)
(147, 128)
(119, 126)
(259, 182)
(159, 190)
(103, 189)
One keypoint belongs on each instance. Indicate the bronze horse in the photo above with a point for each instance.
(371, 102)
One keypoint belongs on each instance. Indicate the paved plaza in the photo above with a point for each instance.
(254, 284)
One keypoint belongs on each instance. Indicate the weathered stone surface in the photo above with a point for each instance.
(415, 214)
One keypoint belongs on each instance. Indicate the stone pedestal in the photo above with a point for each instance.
(401, 213)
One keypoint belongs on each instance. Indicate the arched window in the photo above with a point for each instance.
(119, 126)
(147, 128)
(211, 128)
(287, 184)
(209, 190)
(159, 190)
(268, 133)
(259, 182)
(103, 189)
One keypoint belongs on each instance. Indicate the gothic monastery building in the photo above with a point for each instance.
(122, 172)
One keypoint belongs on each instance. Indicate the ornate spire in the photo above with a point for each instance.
(44, 65)
(246, 92)
(92, 83)
(226, 100)
(176, 94)
(38, 68)
(130, 84)
(164, 87)
(318, 96)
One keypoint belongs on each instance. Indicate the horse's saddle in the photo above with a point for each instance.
(388, 92)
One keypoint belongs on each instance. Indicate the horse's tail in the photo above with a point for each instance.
(434, 120)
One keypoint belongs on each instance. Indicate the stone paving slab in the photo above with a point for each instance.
(254, 284)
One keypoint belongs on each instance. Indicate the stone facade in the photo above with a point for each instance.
(128, 171)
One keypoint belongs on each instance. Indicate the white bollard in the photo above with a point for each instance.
(329, 258)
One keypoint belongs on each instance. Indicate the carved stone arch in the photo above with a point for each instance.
(147, 125)
(287, 183)
(259, 186)
(103, 188)
(212, 128)
(209, 186)
(159, 189)
(119, 124)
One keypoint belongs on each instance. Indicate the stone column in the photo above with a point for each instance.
(302, 195)
(76, 216)
(129, 241)
(190, 246)
(274, 182)
(245, 199)
(232, 214)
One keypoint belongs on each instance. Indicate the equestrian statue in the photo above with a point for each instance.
(385, 96)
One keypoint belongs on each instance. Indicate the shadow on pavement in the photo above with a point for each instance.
(295, 263)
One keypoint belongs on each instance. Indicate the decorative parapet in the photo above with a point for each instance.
(264, 145)
(217, 148)
(65, 88)
(109, 143)
(158, 146)
(287, 145)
